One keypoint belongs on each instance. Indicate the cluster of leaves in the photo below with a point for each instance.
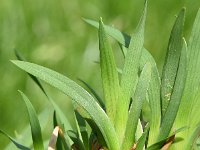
(118, 121)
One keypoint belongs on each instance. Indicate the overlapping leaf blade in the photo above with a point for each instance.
(136, 106)
(172, 60)
(130, 74)
(172, 109)
(67, 125)
(100, 101)
(78, 94)
(62, 116)
(34, 123)
(154, 89)
(189, 99)
(153, 96)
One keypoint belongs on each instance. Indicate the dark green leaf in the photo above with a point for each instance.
(179, 85)
(78, 94)
(34, 123)
(172, 60)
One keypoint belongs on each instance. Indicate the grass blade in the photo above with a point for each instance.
(172, 109)
(78, 94)
(62, 116)
(153, 96)
(123, 38)
(172, 60)
(109, 74)
(189, 100)
(130, 74)
(136, 106)
(34, 123)
(154, 89)
(18, 145)
(83, 130)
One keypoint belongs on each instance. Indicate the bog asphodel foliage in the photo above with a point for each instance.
(115, 121)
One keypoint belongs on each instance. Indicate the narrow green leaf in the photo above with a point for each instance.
(132, 59)
(20, 57)
(62, 116)
(172, 60)
(121, 37)
(34, 123)
(130, 74)
(136, 106)
(79, 95)
(109, 74)
(24, 136)
(154, 89)
(153, 97)
(100, 101)
(17, 144)
(189, 100)
(83, 130)
(172, 109)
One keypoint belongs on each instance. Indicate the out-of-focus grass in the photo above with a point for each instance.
(52, 33)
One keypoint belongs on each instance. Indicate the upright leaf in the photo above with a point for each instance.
(109, 74)
(130, 74)
(123, 38)
(154, 97)
(35, 125)
(79, 95)
(171, 60)
(154, 89)
(136, 106)
(179, 85)
(190, 100)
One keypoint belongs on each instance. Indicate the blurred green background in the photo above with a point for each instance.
(52, 33)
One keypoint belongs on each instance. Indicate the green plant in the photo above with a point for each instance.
(119, 122)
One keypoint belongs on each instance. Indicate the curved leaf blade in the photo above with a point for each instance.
(136, 106)
(34, 123)
(78, 94)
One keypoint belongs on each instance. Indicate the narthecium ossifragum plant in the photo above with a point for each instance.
(115, 121)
